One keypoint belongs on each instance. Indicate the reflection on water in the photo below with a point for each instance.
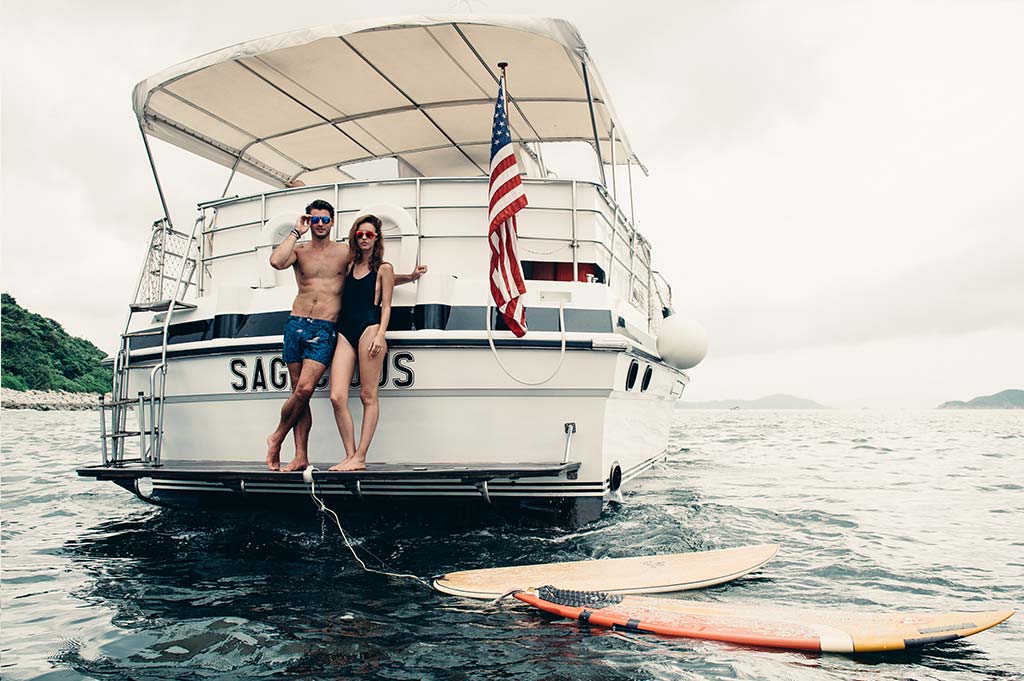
(885, 510)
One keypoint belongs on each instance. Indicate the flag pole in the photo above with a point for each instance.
(506, 198)
(504, 90)
(537, 153)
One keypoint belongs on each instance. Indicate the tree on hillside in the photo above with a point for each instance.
(38, 354)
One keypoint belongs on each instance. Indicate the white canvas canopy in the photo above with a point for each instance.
(298, 105)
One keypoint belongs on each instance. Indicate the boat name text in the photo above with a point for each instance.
(270, 374)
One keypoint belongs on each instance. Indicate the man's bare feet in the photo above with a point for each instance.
(273, 453)
(299, 463)
(352, 463)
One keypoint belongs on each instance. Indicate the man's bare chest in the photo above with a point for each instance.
(329, 265)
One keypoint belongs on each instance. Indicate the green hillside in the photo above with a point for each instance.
(38, 354)
(1007, 399)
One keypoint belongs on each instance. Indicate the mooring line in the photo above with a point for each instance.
(307, 476)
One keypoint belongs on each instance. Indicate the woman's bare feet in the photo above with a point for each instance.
(351, 463)
(273, 453)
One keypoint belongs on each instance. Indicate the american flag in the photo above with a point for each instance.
(506, 199)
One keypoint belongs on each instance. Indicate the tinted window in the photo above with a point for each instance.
(648, 373)
(631, 376)
(266, 324)
(594, 321)
(542, 319)
(466, 318)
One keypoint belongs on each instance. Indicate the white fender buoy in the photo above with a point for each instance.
(274, 230)
(682, 342)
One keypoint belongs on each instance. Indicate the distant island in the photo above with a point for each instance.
(1007, 399)
(769, 402)
(38, 354)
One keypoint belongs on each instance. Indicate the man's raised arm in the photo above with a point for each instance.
(283, 255)
(409, 278)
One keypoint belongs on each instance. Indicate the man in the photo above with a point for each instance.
(309, 335)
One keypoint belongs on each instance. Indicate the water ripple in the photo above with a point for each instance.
(914, 510)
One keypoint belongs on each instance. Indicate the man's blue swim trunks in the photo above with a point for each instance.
(308, 338)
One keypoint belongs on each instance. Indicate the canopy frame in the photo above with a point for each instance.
(229, 141)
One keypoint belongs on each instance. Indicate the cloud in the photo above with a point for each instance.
(882, 202)
(829, 179)
(919, 371)
(976, 290)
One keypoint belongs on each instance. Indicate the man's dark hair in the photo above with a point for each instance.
(320, 204)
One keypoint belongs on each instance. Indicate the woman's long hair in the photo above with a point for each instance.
(377, 254)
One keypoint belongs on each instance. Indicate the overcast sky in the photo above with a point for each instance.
(836, 190)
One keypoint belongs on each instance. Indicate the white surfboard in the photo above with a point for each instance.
(636, 575)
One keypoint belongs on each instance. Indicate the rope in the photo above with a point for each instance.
(507, 594)
(307, 475)
(561, 356)
(532, 252)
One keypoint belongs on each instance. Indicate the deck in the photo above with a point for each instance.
(235, 471)
(236, 475)
(550, 491)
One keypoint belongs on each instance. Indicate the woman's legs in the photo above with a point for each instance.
(369, 376)
(341, 377)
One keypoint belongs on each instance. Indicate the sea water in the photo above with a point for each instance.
(873, 510)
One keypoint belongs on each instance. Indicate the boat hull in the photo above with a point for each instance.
(467, 509)
(447, 404)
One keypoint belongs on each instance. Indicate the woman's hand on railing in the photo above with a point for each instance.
(401, 279)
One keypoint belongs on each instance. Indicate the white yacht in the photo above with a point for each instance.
(394, 118)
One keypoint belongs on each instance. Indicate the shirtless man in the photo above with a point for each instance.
(309, 334)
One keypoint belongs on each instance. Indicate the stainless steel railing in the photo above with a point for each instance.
(636, 267)
(152, 294)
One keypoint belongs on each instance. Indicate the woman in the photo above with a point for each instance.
(365, 312)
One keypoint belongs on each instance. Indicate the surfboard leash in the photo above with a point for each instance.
(307, 477)
(507, 594)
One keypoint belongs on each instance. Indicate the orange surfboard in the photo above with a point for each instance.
(764, 626)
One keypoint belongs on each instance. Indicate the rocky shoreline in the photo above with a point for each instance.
(48, 400)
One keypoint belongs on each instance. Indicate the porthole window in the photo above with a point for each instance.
(648, 374)
(634, 368)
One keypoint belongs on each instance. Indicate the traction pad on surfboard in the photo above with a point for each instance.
(577, 599)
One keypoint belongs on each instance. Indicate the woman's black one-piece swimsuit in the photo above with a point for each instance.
(357, 308)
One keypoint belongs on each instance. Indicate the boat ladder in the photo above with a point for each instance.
(168, 270)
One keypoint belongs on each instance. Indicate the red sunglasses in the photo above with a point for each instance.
(366, 235)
